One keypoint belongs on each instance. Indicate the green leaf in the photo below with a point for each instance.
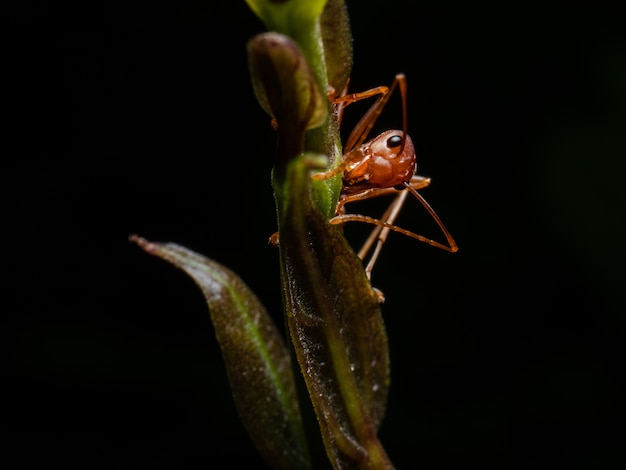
(322, 29)
(284, 83)
(299, 20)
(257, 360)
(335, 325)
(337, 40)
(289, 17)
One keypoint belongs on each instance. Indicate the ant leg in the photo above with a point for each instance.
(380, 233)
(350, 98)
(364, 126)
(384, 222)
(413, 186)
(343, 218)
(274, 240)
(417, 182)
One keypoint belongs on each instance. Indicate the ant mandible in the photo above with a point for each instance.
(384, 165)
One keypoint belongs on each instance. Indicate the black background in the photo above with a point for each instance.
(139, 117)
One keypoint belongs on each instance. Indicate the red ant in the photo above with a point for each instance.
(381, 166)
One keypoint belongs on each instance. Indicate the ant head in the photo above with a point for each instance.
(393, 144)
(392, 159)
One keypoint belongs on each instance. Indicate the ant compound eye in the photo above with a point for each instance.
(394, 141)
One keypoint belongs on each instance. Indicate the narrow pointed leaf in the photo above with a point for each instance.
(337, 39)
(257, 360)
(336, 327)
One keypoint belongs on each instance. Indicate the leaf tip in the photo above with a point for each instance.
(142, 243)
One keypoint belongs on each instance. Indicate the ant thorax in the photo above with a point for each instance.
(384, 162)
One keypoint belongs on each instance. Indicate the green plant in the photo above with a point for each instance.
(330, 309)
